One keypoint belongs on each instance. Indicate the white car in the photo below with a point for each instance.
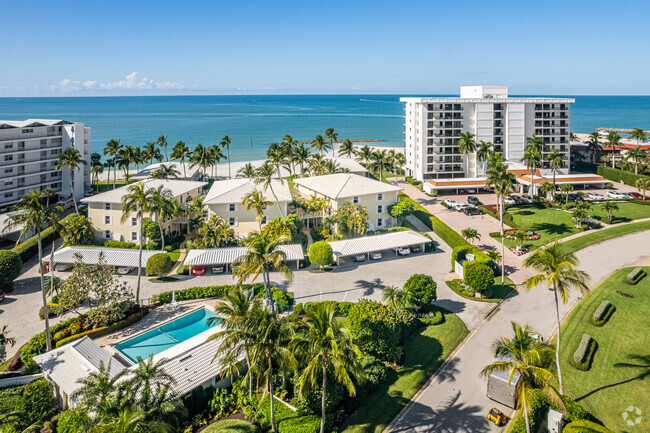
(461, 207)
(404, 251)
(450, 203)
(123, 270)
(509, 200)
(594, 196)
(616, 194)
(375, 256)
(527, 198)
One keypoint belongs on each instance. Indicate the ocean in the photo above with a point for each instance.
(253, 122)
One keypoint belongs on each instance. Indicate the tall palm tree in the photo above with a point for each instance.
(593, 145)
(164, 171)
(380, 162)
(555, 160)
(529, 358)
(636, 154)
(324, 345)
(332, 137)
(138, 199)
(98, 387)
(548, 189)
(500, 181)
(611, 141)
(151, 152)
(180, 152)
(72, 159)
(47, 194)
(640, 135)
(289, 145)
(138, 157)
(364, 154)
(95, 158)
(331, 167)
(264, 176)
(346, 148)
(161, 201)
(276, 155)
(533, 159)
(400, 160)
(146, 380)
(301, 155)
(162, 143)
(112, 150)
(573, 137)
(129, 420)
(255, 201)
(215, 155)
(484, 152)
(320, 144)
(263, 256)
(566, 188)
(247, 171)
(32, 217)
(226, 142)
(466, 144)
(558, 271)
(643, 185)
(200, 157)
(95, 171)
(127, 156)
(317, 164)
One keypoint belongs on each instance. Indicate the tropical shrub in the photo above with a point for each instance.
(585, 426)
(10, 267)
(602, 313)
(37, 402)
(222, 403)
(431, 318)
(320, 253)
(203, 292)
(420, 289)
(72, 421)
(159, 264)
(401, 210)
(539, 405)
(120, 244)
(584, 354)
(478, 275)
(231, 426)
(635, 276)
(29, 248)
(78, 231)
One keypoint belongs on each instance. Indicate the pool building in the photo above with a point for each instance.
(181, 344)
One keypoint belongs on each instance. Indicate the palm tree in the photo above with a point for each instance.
(138, 157)
(529, 358)
(161, 198)
(501, 181)
(301, 155)
(226, 142)
(288, 145)
(255, 201)
(164, 171)
(247, 171)
(200, 156)
(181, 151)
(332, 166)
(643, 184)
(276, 155)
(547, 188)
(5, 340)
(558, 271)
(95, 171)
(566, 188)
(215, 155)
(332, 137)
(470, 234)
(346, 148)
(573, 137)
(532, 158)
(637, 155)
(112, 150)
(466, 144)
(610, 207)
(98, 387)
(593, 145)
(263, 256)
(496, 258)
(317, 164)
(380, 163)
(264, 176)
(151, 152)
(47, 194)
(31, 217)
(325, 345)
(640, 135)
(162, 143)
(392, 295)
(400, 160)
(129, 420)
(320, 144)
(556, 160)
(611, 141)
(138, 199)
(364, 154)
(484, 152)
(127, 156)
(146, 380)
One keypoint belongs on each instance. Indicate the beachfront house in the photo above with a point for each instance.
(105, 210)
(340, 188)
(225, 197)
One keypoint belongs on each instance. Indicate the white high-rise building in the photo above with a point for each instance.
(432, 127)
(29, 150)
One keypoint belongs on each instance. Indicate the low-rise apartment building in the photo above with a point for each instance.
(29, 150)
(225, 197)
(340, 188)
(105, 210)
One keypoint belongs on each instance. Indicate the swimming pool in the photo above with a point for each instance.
(166, 336)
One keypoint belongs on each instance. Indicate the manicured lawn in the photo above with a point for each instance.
(498, 292)
(107, 186)
(627, 211)
(231, 426)
(595, 237)
(425, 351)
(174, 255)
(606, 390)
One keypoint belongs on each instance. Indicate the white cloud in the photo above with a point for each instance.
(130, 82)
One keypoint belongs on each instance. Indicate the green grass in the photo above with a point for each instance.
(627, 211)
(498, 292)
(589, 239)
(231, 426)
(174, 255)
(425, 351)
(163, 279)
(107, 186)
(606, 390)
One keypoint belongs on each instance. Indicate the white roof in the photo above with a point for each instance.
(234, 190)
(112, 256)
(222, 256)
(177, 188)
(68, 364)
(189, 171)
(341, 185)
(350, 247)
(6, 219)
(32, 122)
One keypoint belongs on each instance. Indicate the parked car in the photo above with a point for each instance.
(576, 197)
(359, 258)
(509, 200)
(59, 267)
(594, 196)
(636, 195)
(67, 204)
(460, 207)
(473, 200)
(2, 296)
(375, 256)
(123, 270)
(473, 211)
(416, 248)
(518, 199)
(450, 203)
(198, 270)
(528, 198)
(219, 269)
(404, 251)
(616, 194)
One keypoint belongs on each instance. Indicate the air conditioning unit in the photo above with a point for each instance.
(554, 421)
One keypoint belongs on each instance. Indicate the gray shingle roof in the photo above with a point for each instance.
(112, 256)
(369, 244)
(342, 185)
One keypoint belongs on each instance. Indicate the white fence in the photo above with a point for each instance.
(19, 380)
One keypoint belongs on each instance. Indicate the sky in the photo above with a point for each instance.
(143, 47)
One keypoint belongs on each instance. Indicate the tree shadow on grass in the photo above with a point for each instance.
(550, 228)
(525, 212)
(640, 363)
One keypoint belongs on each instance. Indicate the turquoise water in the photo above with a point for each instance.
(255, 121)
(162, 338)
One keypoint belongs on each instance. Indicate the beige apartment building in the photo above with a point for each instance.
(105, 210)
(339, 188)
(225, 197)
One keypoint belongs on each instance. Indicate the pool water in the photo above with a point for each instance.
(166, 336)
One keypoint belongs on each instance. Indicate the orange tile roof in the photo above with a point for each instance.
(572, 179)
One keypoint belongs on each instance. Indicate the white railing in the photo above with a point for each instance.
(19, 380)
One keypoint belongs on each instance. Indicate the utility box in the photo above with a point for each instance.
(554, 421)
(498, 388)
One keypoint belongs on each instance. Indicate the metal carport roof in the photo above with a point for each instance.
(112, 256)
(225, 256)
(368, 244)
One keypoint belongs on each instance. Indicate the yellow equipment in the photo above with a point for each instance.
(497, 417)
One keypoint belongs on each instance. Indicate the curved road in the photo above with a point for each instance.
(454, 399)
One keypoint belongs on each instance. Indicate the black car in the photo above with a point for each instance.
(416, 249)
(473, 200)
(473, 211)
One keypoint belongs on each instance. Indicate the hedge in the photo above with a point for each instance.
(282, 298)
(478, 275)
(320, 253)
(584, 354)
(635, 276)
(342, 307)
(158, 264)
(29, 248)
(460, 252)
(618, 175)
(105, 330)
(10, 267)
(288, 421)
(602, 313)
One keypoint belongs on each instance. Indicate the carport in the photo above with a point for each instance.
(118, 257)
(226, 256)
(370, 244)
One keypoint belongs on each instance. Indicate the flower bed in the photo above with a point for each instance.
(520, 252)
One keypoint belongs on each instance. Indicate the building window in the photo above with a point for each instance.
(232, 221)
(107, 220)
(232, 207)
(380, 222)
(9, 146)
(8, 182)
(355, 200)
(134, 236)
(380, 209)
(28, 131)
(380, 196)
(9, 157)
(108, 234)
(264, 220)
(107, 206)
(54, 151)
(9, 194)
(9, 170)
(134, 222)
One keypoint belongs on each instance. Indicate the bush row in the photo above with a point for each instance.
(105, 330)
(602, 313)
(584, 354)
(282, 298)
(29, 248)
(342, 308)
(618, 175)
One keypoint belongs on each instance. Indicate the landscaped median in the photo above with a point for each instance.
(494, 294)
(588, 239)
